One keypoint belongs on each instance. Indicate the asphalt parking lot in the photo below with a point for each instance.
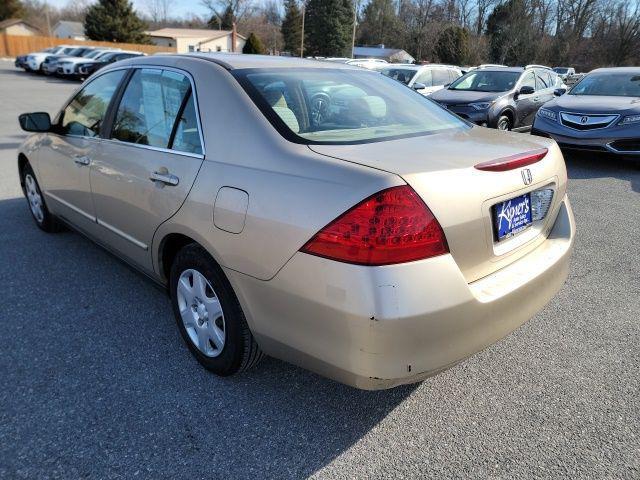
(95, 381)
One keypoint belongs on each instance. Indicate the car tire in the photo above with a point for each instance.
(37, 206)
(208, 314)
(504, 123)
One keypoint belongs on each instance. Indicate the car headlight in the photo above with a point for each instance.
(548, 114)
(481, 105)
(629, 119)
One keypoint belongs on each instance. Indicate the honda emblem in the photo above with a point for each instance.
(527, 178)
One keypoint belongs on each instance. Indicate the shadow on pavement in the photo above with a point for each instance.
(95, 380)
(586, 166)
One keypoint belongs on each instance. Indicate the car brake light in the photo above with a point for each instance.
(513, 162)
(391, 226)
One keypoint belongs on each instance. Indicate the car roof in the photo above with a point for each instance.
(634, 70)
(234, 61)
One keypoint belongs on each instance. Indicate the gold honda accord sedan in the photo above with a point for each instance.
(315, 212)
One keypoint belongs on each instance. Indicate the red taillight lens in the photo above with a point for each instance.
(513, 162)
(392, 226)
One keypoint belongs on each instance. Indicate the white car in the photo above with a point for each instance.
(424, 79)
(34, 60)
(368, 63)
(67, 67)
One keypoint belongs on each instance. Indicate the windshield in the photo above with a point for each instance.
(609, 84)
(76, 52)
(342, 106)
(95, 53)
(486, 81)
(561, 71)
(403, 75)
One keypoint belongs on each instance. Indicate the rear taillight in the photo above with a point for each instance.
(391, 226)
(513, 162)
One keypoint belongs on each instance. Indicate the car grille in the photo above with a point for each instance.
(579, 121)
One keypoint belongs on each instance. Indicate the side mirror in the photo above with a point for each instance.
(419, 86)
(558, 92)
(526, 90)
(35, 122)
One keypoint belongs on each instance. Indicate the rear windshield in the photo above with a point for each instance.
(609, 84)
(403, 75)
(486, 81)
(561, 71)
(342, 106)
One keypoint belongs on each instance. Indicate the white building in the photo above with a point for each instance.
(193, 40)
(67, 29)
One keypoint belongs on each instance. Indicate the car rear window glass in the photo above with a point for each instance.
(187, 137)
(320, 105)
(425, 77)
(149, 107)
(486, 81)
(85, 113)
(609, 84)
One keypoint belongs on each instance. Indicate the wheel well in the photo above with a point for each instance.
(169, 248)
(508, 113)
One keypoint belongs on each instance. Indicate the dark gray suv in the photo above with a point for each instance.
(506, 98)
(600, 113)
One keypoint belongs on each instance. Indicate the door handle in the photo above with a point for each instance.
(166, 178)
(536, 99)
(81, 159)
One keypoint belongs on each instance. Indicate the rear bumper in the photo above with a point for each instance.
(378, 327)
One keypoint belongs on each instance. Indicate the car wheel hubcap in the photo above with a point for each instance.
(503, 125)
(201, 313)
(34, 197)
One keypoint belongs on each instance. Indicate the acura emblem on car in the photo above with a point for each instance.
(584, 120)
(527, 178)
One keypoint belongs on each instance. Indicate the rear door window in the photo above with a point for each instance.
(150, 106)
(426, 78)
(440, 77)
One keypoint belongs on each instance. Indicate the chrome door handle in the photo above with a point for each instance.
(166, 178)
(81, 159)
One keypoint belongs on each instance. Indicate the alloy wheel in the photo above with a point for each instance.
(201, 313)
(34, 197)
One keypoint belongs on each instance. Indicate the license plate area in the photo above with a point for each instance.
(511, 217)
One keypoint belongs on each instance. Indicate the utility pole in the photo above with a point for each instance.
(355, 20)
(302, 36)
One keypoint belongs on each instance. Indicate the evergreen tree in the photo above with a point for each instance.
(114, 21)
(292, 27)
(10, 9)
(253, 45)
(512, 40)
(453, 45)
(380, 24)
(328, 28)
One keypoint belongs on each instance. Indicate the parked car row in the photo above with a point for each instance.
(72, 62)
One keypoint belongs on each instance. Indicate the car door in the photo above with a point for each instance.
(145, 170)
(526, 104)
(67, 152)
(440, 79)
(544, 87)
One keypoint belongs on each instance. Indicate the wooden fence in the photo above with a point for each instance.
(14, 45)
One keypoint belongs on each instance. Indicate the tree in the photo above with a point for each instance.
(114, 21)
(292, 27)
(510, 27)
(328, 28)
(253, 45)
(225, 12)
(380, 23)
(10, 9)
(453, 45)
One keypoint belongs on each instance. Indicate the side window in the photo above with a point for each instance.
(149, 107)
(529, 80)
(542, 80)
(85, 113)
(440, 77)
(186, 137)
(425, 78)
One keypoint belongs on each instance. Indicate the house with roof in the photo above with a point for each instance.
(68, 29)
(185, 40)
(16, 26)
(392, 55)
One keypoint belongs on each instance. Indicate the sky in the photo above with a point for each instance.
(179, 8)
